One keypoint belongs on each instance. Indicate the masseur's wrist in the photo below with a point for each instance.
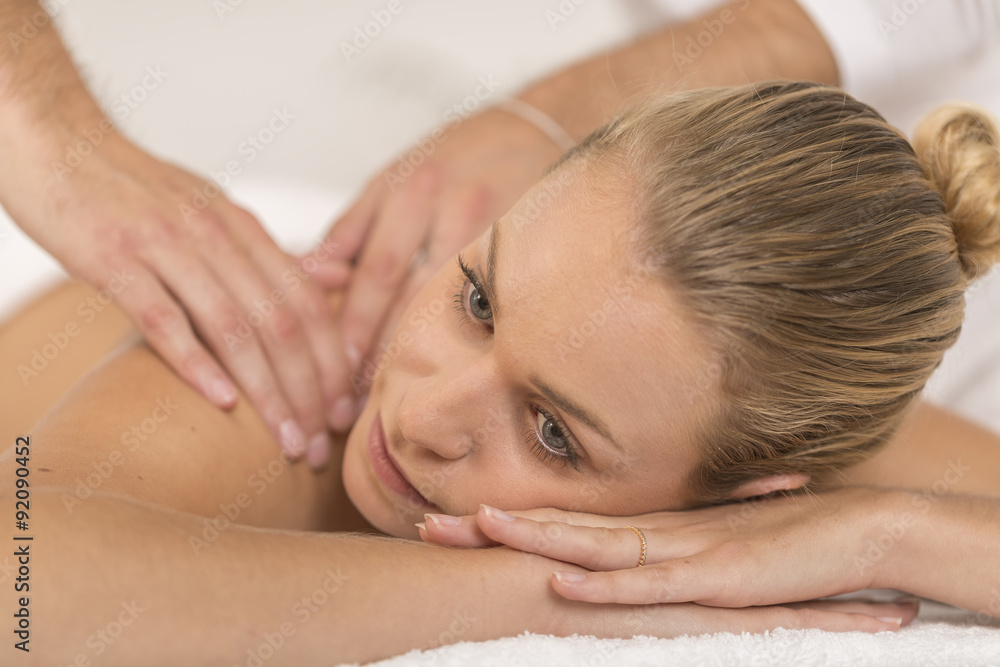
(749, 41)
(39, 153)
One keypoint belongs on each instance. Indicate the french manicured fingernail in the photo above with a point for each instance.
(319, 450)
(342, 413)
(892, 620)
(420, 525)
(291, 438)
(494, 513)
(222, 392)
(353, 356)
(570, 577)
(443, 519)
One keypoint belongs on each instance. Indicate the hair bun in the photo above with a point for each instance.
(959, 146)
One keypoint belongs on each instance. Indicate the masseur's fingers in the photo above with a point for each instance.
(162, 321)
(399, 232)
(345, 238)
(458, 220)
(328, 362)
(215, 314)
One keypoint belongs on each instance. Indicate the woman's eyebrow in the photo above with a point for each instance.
(568, 406)
(491, 269)
(557, 399)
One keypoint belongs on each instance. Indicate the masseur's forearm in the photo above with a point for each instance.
(747, 40)
(43, 101)
(37, 76)
(938, 545)
(121, 576)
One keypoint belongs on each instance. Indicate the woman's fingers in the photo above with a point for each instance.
(905, 609)
(592, 547)
(681, 580)
(830, 617)
(453, 531)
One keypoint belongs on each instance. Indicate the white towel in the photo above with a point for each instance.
(947, 638)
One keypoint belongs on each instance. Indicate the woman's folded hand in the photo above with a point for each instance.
(760, 552)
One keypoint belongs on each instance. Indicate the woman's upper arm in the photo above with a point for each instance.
(133, 427)
(935, 450)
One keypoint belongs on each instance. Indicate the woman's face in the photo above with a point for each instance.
(554, 371)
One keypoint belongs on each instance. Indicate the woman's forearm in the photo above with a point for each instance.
(938, 545)
(132, 581)
(729, 45)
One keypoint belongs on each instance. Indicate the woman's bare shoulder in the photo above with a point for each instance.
(131, 426)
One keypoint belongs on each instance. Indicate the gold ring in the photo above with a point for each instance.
(642, 538)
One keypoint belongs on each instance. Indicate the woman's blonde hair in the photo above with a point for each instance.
(824, 258)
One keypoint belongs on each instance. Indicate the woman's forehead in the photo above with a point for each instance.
(579, 312)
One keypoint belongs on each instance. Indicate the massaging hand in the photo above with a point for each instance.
(117, 221)
(760, 552)
(409, 221)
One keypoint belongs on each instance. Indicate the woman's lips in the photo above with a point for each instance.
(385, 468)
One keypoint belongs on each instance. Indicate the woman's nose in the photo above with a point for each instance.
(438, 412)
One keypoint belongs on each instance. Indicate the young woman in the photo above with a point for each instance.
(722, 295)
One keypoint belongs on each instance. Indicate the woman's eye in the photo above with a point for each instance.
(553, 436)
(478, 305)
